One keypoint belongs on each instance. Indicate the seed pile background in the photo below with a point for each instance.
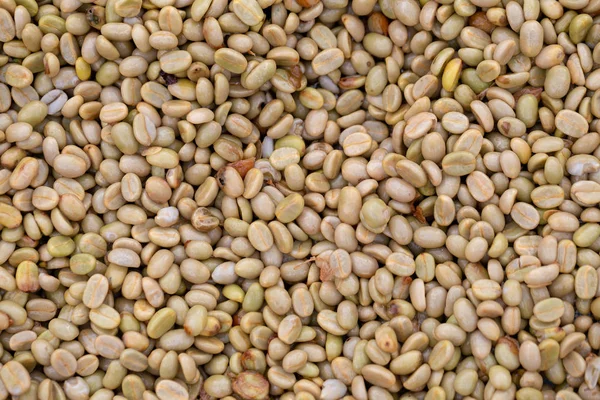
(299, 199)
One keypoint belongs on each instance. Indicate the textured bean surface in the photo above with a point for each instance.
(299, 199)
